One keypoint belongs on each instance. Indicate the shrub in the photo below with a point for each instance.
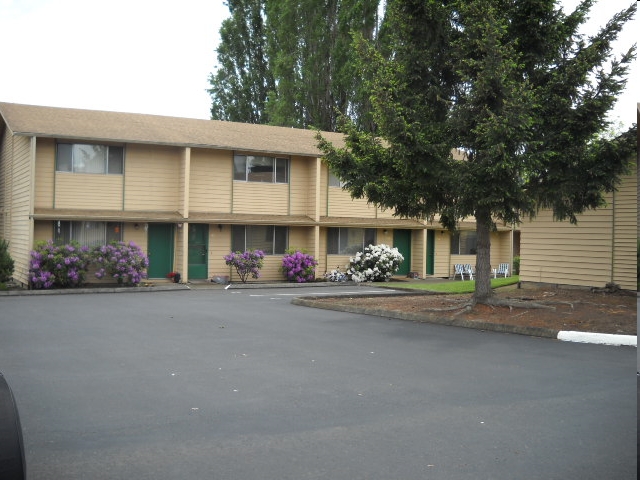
(376, 264)
(58, 265)
(247, 263)
(336, 275)
(6, 262)
(124, 262)
(298, 266)
(516, 265)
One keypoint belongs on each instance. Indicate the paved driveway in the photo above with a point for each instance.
(242, 385)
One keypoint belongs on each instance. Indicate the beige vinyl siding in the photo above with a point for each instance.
(321, 254)
(342, 205)
(302, 183)
(42, 231)
(323, 191)
(210, 187)
(219, 246)
(501, 249)
(442, 254)
(88, 191)
(384, 238)
(418, 252)
(338, 261)
(45, 172)
(566, 254)
(270, 271)
(385, 213)
(20, 236)
(137, 236)
(301, 238)
(600, 249)
(625, 234)
(6, 148)
(261, 198)
(152, 178)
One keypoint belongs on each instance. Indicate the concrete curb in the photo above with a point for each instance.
(73, 291)
(599, 338)
(567, 336)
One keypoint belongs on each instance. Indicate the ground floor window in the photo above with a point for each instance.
(87, 233)
(272, 240)
(464, 243)
(349, 241)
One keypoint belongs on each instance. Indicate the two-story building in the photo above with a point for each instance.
(190, 191)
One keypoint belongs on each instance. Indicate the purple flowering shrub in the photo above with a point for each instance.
(247, 263)
(58, 265)
(124, 262)
(298, 266)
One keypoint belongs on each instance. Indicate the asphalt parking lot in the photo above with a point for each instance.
(231, 384)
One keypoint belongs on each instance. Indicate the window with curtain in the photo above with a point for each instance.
(91, 234)
(464, 243)
(349, 241)
(255, 168)
(272, 240)
(88, 158)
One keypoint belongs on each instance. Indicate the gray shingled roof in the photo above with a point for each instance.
(96, 125)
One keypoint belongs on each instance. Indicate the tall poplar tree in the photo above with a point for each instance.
(243, 80)
(290, 62)
(513, 86)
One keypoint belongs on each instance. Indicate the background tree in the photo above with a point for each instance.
(515, 88)
(243, 80)
(290, 62)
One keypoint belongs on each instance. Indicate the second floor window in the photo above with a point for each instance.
(272, 240)
(255, 168)
(87, 158)
(334, 181)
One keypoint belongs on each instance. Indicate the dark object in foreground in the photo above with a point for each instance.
(12, 464)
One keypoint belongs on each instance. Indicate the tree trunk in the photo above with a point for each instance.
(483, 257)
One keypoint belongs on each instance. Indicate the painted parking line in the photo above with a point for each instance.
(359, 292)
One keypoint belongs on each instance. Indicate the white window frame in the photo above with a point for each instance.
(102, 233)
(276, 234)
(112, 162)
(353, 248)
(279, 168)
(466, 238)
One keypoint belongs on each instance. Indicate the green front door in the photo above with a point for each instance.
(431, 250)
(402, 241)
(160, 249)
(198, 246)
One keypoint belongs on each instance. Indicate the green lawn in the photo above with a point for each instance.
(466, 286)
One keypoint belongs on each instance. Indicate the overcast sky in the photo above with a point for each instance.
(146, 56)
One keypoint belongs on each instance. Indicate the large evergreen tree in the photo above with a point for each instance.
(515, 87)
(290, 62)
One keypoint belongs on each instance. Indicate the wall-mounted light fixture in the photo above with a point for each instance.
(179, 225)
(385, 231)
(220, 227)
(136, 226)
(146, 227)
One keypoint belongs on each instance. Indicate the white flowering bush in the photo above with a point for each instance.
(376, 264)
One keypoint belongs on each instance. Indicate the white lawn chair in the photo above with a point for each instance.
(468, 269)
(502, 270)
(458, 269)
